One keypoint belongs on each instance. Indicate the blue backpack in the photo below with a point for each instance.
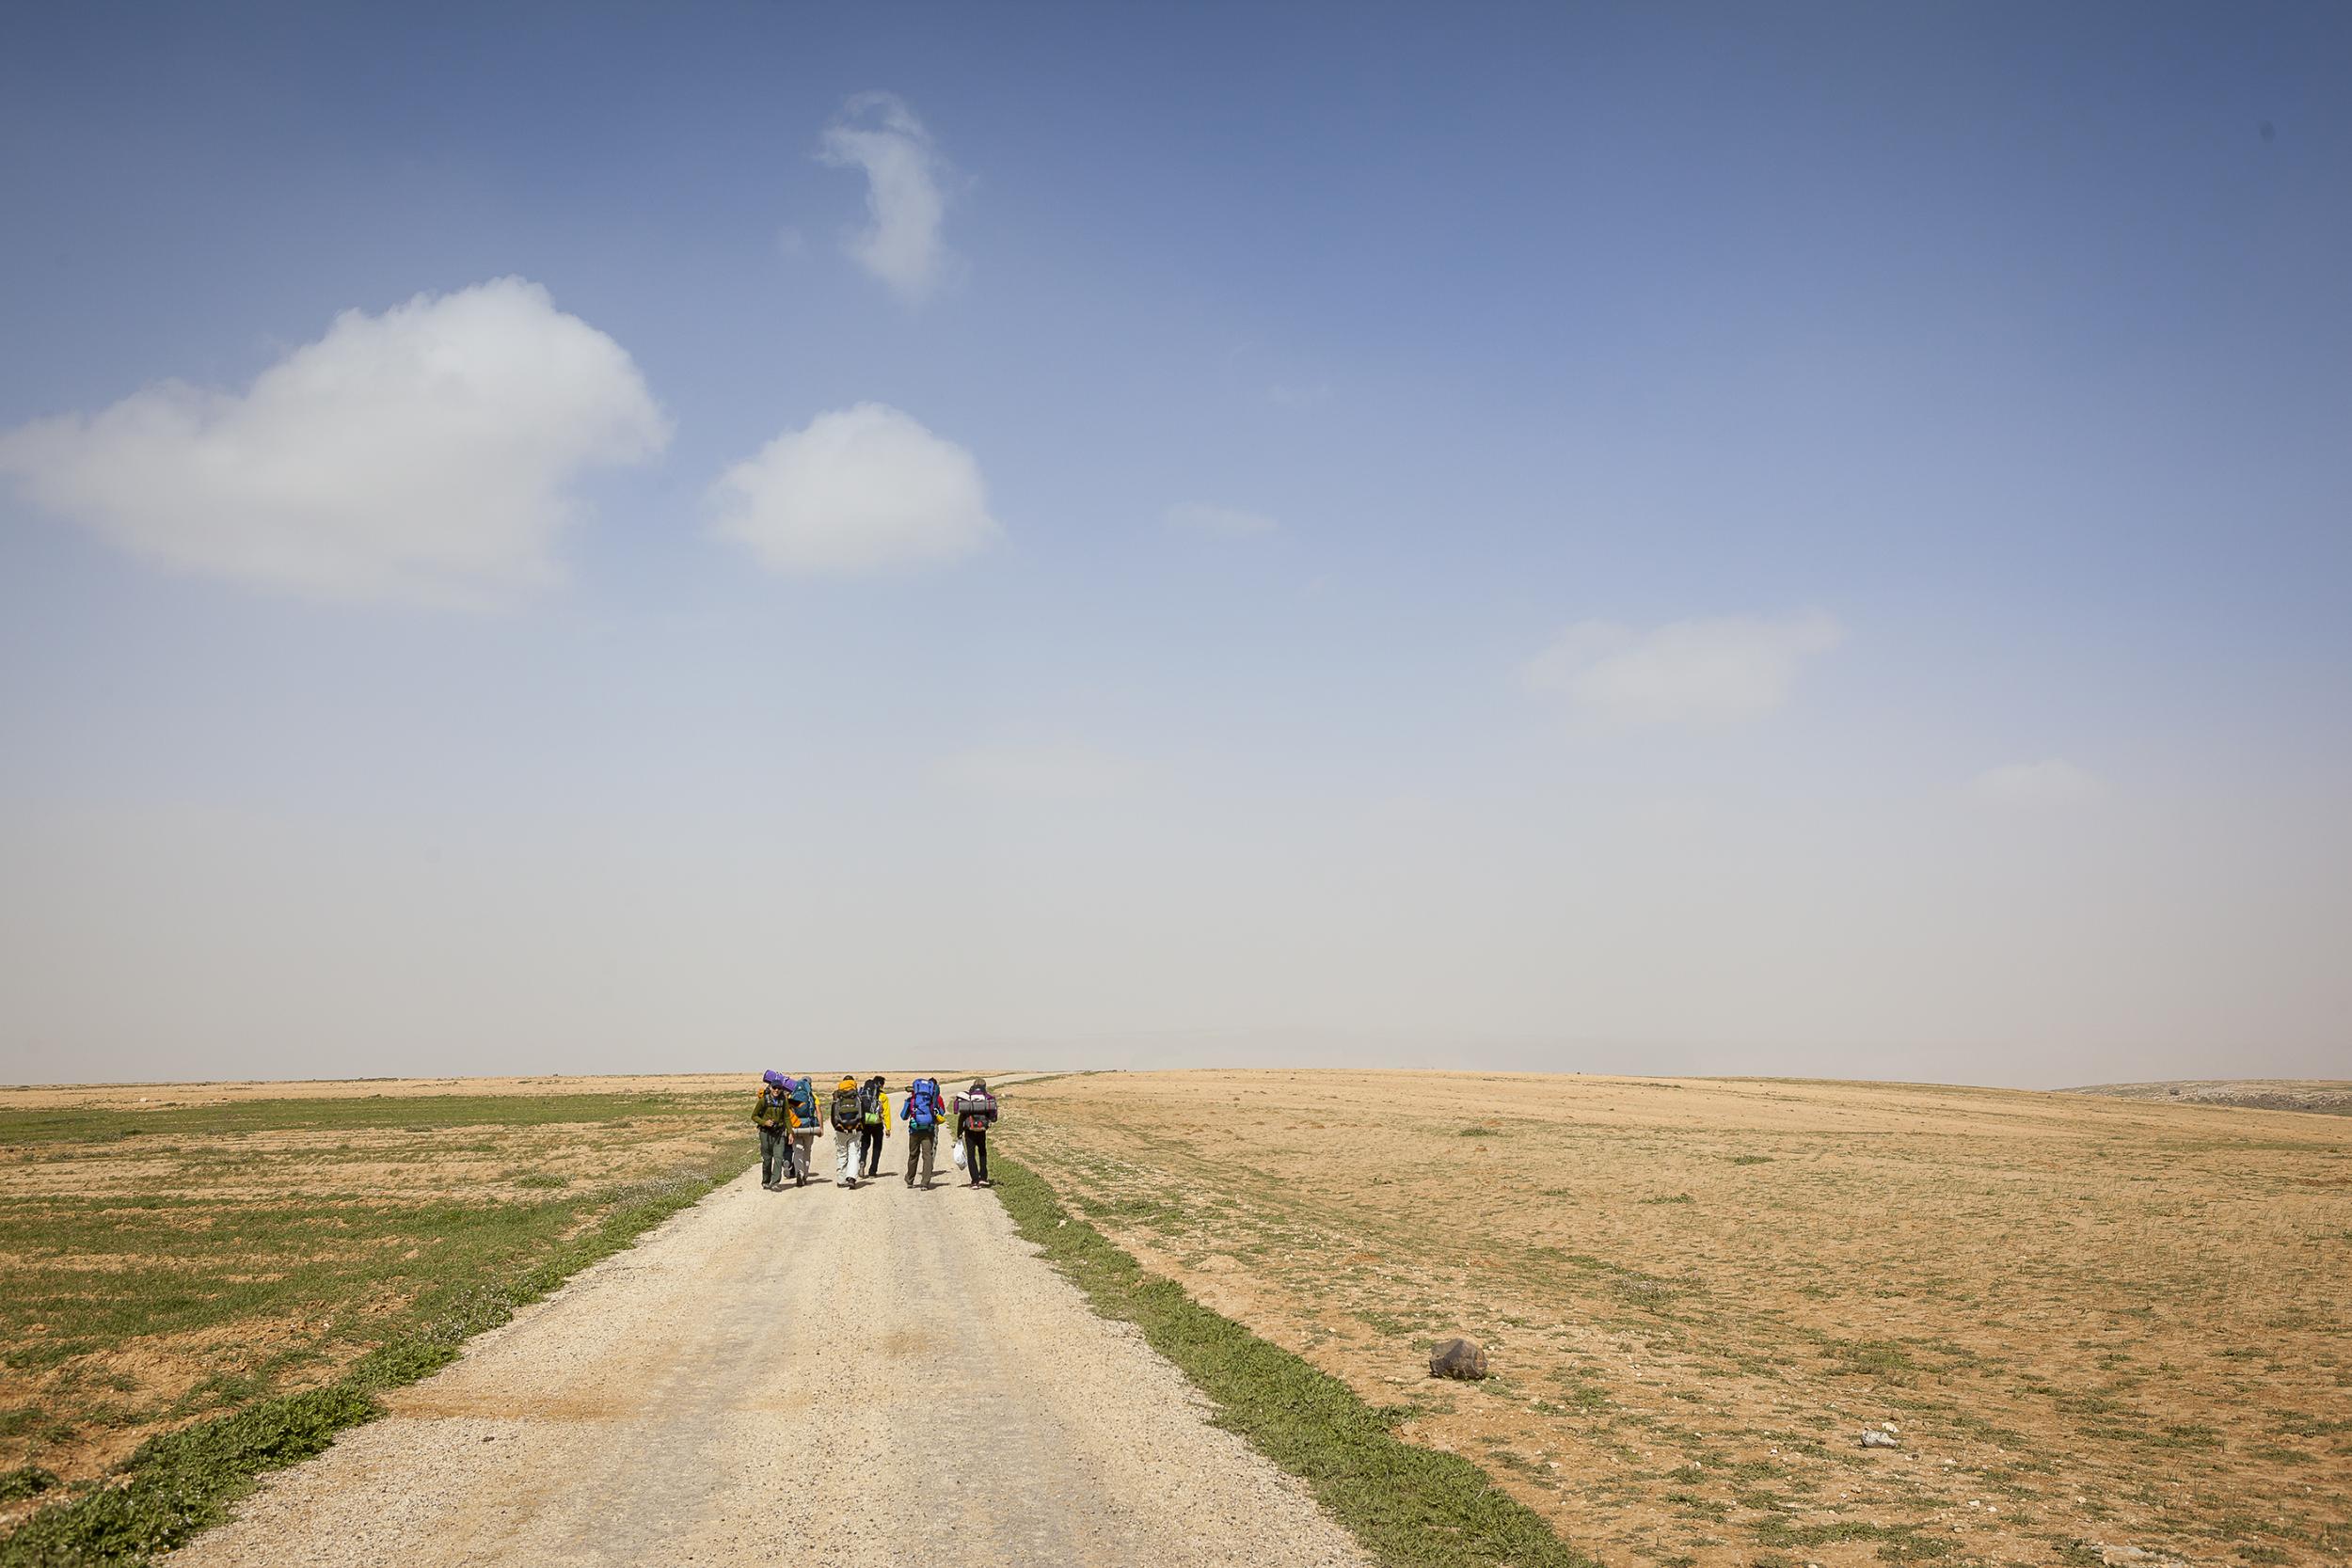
(923, 1103)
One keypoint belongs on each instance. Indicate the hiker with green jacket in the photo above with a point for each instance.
(771, 1112)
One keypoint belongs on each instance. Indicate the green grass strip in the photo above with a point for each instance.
(179, 1483)
(1410, 1507)
(105, 1124)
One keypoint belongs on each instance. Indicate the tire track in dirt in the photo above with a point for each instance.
(842, 1377)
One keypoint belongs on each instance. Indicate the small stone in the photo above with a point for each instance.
(1879, 1440)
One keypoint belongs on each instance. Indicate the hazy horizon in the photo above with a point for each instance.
(1808, 541)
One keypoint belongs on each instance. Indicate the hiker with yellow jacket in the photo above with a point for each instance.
(873, 1112)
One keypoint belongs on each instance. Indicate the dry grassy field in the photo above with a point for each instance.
(2100, 1327)
(174, 1252)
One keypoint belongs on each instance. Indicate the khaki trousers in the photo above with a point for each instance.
(922, 1141)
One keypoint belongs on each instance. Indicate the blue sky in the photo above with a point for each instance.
(1799, 539)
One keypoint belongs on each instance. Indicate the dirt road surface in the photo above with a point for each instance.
(820, 1376)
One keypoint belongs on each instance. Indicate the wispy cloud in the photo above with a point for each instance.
(420, 454)
(905, 205)
(2050, 784)
(1697, 673)
(1298, 394)
(1055, 771)
(1231, 522)
(861, 489)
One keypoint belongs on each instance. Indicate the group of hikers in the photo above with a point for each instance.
(790, 1117)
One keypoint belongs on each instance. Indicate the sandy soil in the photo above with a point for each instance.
(2097, 1323)
(818, 1375)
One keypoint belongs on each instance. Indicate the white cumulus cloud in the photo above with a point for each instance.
(1230, 521)
(861, 489)
(905, 206)
(1704, 671)
(2037, 785)
(1061, 770)
(424, 453)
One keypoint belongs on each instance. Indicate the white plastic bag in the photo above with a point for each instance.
(959, 1152)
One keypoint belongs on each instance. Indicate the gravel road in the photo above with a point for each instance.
(819, 1376)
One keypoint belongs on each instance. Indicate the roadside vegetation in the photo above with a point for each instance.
(1410, 1507)
(202, 1292)
(2098, 1327)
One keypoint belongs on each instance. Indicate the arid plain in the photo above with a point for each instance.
(2099, 1328)
(2103, 1330)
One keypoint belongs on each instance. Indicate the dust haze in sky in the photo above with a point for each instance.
(1614, 542)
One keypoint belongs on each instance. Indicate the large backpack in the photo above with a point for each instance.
(923, 1103)
(869, 1104)
(976, 1111)
(845, 1109)
(804, 1103)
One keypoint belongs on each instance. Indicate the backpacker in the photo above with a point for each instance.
(844, 1110)
(923, 1104)
(869, 1104)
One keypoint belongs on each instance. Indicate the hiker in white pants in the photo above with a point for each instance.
(846, 1123)
(803, 1118)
